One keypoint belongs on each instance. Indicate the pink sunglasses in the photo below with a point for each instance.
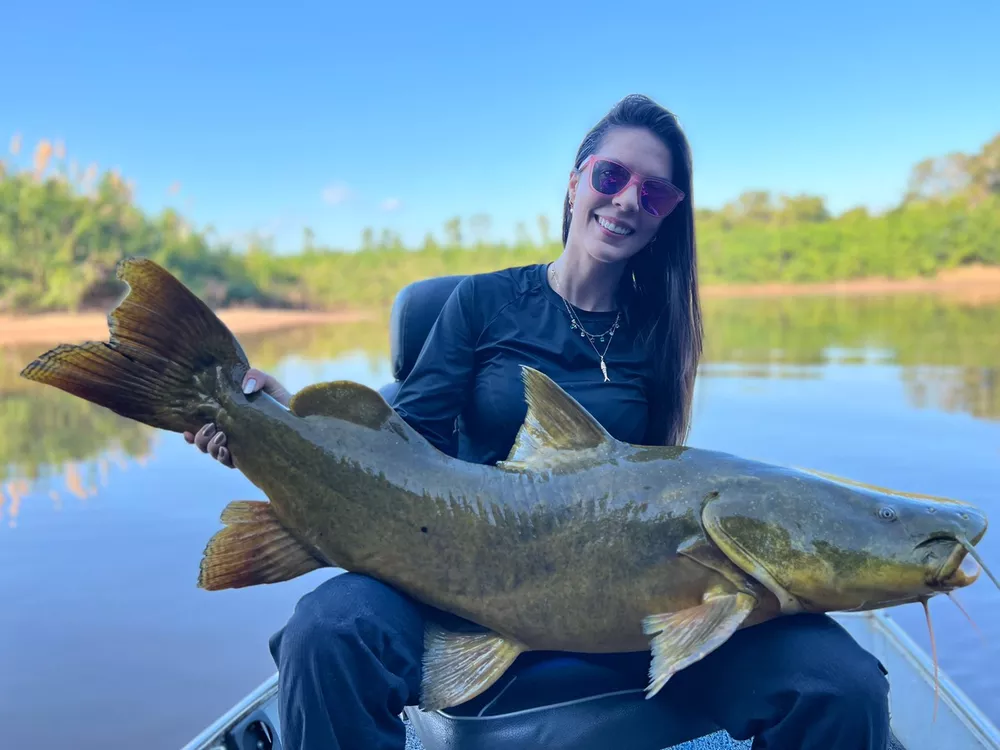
(656, 196)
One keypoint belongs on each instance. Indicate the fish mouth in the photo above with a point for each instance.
(958, 569)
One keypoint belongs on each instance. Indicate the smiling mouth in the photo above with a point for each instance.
(616, 228)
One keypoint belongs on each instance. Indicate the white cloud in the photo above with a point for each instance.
(336, 193)
(391, 204)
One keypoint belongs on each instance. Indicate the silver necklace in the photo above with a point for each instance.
(576, 324)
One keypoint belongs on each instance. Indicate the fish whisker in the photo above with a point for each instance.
(930, 629)
(951, 595)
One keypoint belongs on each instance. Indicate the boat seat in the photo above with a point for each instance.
(414, 312)
(559, 701)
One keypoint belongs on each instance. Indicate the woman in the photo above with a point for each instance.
(615, 320)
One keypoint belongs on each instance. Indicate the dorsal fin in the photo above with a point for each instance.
(352, 402)
(556, 431)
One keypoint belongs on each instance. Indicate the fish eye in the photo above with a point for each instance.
(886, 513)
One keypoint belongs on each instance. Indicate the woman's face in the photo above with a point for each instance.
(611, 228)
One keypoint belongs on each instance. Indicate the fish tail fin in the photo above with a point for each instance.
(168, 360)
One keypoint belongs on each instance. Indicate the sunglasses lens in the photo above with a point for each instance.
(608, 178)
(658, 198)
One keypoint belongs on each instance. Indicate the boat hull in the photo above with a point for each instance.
(959, 723)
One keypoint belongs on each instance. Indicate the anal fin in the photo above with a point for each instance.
(682, 638)
(254, 548)
(459, 666)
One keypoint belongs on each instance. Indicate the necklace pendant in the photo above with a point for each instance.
(604, 370)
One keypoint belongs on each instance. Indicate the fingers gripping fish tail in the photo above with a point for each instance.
(168, 357)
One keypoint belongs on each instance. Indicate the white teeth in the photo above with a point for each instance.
(612, 227)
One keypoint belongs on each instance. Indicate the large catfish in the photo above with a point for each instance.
(576, 542)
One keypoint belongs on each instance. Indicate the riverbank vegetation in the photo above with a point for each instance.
(63, 229)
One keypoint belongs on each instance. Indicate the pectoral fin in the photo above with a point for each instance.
(682, 638)
(254, 548)
(460, 666)
(705, 553)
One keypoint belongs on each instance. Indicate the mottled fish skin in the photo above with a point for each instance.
(572, 560)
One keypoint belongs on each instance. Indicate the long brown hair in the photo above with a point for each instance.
(659, 289)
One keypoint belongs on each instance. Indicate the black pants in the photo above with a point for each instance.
(349, 661)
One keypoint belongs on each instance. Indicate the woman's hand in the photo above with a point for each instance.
(212, 441)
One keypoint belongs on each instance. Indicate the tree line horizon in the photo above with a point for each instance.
(63, 230)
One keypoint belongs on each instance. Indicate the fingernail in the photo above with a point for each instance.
(250, 384)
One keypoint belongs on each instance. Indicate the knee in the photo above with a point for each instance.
(343, 615)
(855, 687)
(836, 673)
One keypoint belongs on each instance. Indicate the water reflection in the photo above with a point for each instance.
(53, 444)
(946, 351)
(946, 354)
(969, 390)
(76, 479)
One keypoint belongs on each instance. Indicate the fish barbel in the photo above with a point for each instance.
(576, 542)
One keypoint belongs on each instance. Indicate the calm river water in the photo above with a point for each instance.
(106, 642)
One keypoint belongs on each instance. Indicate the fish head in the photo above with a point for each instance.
(825, 544)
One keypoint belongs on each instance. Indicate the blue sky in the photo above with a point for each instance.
(338, 116)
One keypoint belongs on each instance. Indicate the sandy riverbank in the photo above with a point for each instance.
(973, 285)
(71, 328)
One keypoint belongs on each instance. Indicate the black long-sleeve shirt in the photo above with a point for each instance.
(470, 366)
